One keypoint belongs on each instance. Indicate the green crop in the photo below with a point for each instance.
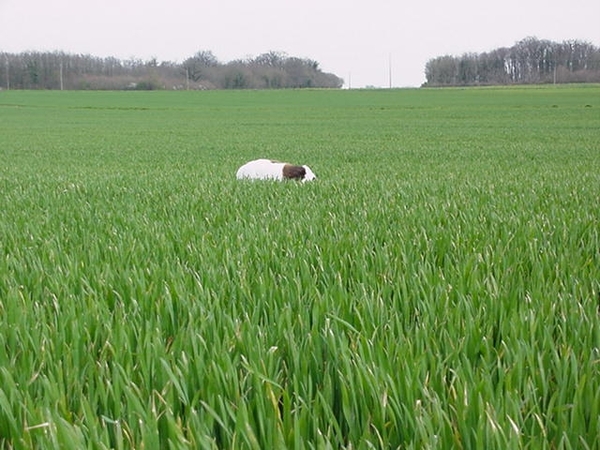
(437, 287)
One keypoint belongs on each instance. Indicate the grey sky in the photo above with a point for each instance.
(356, 43)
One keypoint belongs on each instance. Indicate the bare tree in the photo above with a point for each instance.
(195, 67)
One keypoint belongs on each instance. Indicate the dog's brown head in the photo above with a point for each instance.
(293, 172)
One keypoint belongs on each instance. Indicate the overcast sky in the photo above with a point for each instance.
(356, 41)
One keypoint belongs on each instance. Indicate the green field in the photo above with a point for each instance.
(437, 287)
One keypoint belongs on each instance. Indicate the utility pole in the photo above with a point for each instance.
(390, 69)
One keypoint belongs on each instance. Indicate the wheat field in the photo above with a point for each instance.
(437, 287)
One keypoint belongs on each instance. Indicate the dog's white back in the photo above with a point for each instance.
(261, 169)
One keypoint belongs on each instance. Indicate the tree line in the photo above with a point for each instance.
(59, 70)
(529, 61)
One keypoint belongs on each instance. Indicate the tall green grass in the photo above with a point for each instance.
(437, 287)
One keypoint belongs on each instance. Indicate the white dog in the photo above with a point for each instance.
(267, 169)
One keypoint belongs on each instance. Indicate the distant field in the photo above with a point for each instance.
(437, 287)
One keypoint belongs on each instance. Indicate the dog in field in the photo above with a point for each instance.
(268, 169)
